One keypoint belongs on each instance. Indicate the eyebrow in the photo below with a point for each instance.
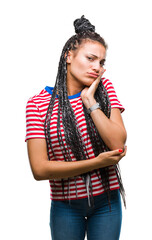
(102, 61)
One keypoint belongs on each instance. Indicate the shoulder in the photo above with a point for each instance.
(39, 99)
(109, 87)
(107, 83)
(115, 103)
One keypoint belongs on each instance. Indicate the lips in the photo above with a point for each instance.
(94, 75)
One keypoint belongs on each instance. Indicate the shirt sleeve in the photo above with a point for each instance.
(34, 122)
(115, 103)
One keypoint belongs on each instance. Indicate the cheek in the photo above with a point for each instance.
(83, 65)
(78, 68)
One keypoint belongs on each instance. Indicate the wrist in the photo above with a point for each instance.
(90, 103)
(98, 161)
(94, 107)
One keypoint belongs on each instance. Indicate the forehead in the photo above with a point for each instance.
(92, 47)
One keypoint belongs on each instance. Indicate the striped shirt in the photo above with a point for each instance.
(36, 110)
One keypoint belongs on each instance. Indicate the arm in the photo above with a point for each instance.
(112, 130)
(43, 169)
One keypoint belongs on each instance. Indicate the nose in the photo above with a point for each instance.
(97, 67)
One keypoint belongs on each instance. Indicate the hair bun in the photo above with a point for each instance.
(83, 25)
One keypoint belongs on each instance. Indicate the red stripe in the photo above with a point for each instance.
(36, 111)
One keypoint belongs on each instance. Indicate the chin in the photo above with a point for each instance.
(89, 82)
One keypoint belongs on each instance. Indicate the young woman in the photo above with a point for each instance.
(75, 138)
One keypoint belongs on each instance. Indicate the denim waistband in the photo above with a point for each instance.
(97, 202)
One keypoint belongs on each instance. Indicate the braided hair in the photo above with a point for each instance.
(84, 31)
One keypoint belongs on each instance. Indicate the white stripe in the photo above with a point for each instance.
(38, 106)
(35, 136)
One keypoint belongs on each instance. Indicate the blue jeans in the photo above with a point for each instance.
(72, 220)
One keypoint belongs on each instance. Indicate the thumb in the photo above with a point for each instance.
(116, 152)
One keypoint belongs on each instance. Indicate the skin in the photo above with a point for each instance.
(88, 58)
(82, 62)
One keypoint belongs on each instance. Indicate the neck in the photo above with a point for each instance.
(73, 85)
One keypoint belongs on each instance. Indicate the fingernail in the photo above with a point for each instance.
(120, 150)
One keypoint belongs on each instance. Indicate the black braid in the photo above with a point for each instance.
(72, 133)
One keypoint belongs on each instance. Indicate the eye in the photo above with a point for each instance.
(102, 63)
(90, 58)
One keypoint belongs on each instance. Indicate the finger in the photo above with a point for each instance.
(94, 86)
(124, 151)
(103, 71)
(122, 154)
(96, 82)
(116, 152)
(100, 75)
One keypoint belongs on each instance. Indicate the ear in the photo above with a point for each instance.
(69, 57)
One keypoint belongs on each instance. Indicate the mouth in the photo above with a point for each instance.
(93, 75)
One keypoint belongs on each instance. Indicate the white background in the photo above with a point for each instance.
(33, 33)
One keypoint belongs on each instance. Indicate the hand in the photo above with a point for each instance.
(109, 158)
(87, 93)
